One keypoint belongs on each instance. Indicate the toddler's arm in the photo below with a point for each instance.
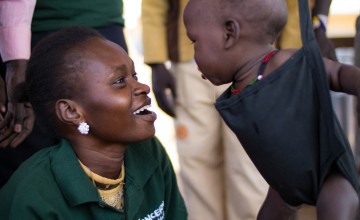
(344, 78)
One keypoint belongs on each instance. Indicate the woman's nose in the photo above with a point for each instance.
(142, 88)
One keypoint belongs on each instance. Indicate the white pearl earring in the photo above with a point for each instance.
(83, 128)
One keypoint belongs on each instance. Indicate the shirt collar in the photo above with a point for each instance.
(78, 189)
(71, 178)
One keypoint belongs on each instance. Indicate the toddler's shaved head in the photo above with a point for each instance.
(266, 17)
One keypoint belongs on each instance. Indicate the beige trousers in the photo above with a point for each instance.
(218, 180)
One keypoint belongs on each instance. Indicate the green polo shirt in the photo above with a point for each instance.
(52, 185)
(52, 15)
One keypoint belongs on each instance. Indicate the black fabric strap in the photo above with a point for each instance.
(307, 31)
(315, 60)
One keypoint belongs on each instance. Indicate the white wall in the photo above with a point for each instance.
(345, 7)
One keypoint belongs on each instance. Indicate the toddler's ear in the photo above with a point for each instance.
(231, 33)
(68, 112)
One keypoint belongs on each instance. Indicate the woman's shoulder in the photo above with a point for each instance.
(34, 167)
(31, 178)
(34, 164)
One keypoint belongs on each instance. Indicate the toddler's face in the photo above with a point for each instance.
(114, 102)
(207, 36)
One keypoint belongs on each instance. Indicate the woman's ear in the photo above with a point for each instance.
(231, 33)
(68, 112)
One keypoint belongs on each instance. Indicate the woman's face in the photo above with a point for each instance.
(113, 102)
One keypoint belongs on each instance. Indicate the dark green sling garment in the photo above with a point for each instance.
(286, 124)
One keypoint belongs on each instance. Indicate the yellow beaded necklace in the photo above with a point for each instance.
(110, 195)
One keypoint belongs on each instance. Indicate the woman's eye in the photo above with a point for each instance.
(123, 79)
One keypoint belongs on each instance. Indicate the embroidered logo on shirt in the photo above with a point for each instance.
(157, 214)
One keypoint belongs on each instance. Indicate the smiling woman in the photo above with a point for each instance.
(108, 164)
